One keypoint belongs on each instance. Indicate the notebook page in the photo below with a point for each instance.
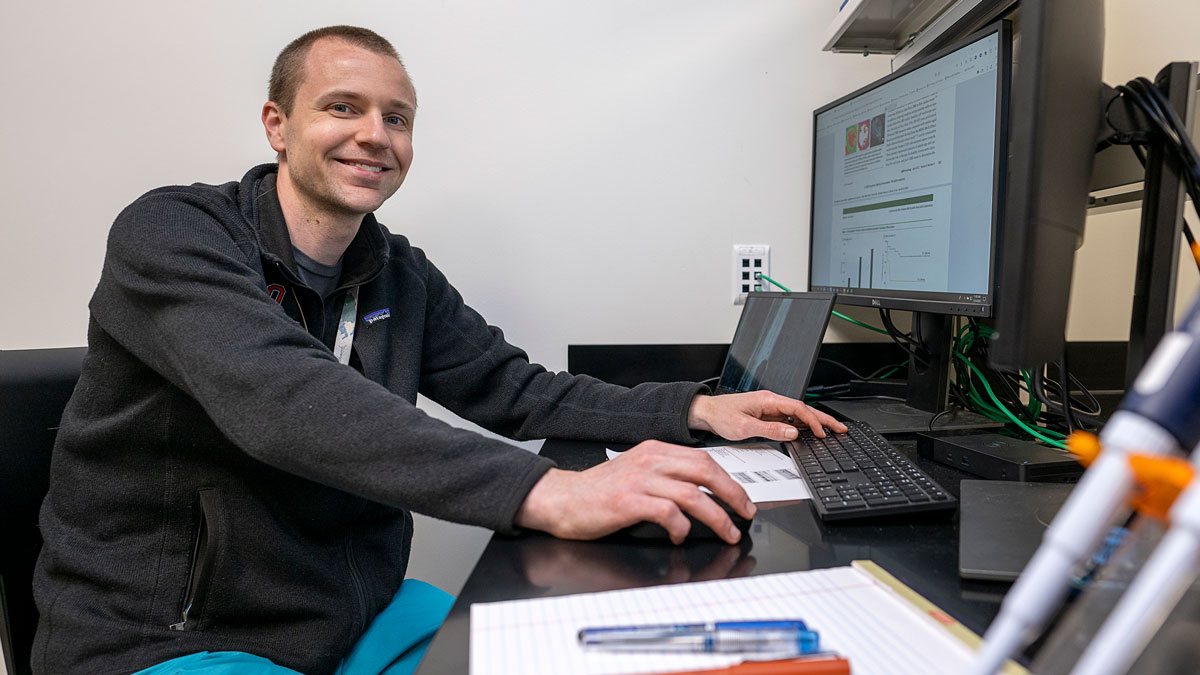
(853, 613)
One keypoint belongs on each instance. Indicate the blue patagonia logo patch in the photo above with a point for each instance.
(377, 315)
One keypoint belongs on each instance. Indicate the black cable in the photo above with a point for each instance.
(1064, 380)
(1180, 130)
(935, 417)
(1093, 409)
(1039, 391)
(882, 369)
(874, 374)
(822, 359)
(1156, 105)
(885, 316)
(1082, 419)
(827, 391)
(1157, 109)
(906, 342)
(1151, 101)
(1140, 153)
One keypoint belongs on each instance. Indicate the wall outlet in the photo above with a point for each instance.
(750, 260)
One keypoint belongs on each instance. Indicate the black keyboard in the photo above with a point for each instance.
(858, 474)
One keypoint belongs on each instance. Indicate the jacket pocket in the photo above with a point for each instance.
(204, 554)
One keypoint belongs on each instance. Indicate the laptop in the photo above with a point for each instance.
(776, 343)
(1001, 524)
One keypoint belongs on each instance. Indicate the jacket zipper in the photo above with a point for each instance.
(355, 574)
(198, 570)
(356, 577)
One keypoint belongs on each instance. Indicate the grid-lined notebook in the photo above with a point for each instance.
(860, 611)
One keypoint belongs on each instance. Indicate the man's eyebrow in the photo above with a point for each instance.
(394, 104)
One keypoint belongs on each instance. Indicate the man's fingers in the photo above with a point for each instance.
(704, 509)
(776, 431)
(798, 414)
(824, 419)
(700, 469)
(667, 513)
(683, 469)
(819, 421)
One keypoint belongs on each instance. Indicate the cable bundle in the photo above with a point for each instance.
(1150, 100)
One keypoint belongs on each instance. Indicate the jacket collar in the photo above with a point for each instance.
(364, 258)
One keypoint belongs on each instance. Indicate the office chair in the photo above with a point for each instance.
(34, 387)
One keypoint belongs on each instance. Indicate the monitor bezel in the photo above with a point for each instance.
(936, 302)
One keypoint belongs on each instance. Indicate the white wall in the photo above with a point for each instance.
(582, 168)
(1140, 38)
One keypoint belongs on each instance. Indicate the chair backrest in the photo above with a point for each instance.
(34, 387)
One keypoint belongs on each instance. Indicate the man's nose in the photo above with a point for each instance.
(373, 132)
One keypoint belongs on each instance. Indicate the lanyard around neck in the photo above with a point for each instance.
(345, 333)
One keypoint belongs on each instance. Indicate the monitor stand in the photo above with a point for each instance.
(927, 390)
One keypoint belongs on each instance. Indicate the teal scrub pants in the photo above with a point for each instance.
(392, 645)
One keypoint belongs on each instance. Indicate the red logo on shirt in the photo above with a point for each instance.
(276, 292)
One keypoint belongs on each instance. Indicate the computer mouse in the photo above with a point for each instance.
(649, 530)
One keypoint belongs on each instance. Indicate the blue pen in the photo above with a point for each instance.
(745, 637)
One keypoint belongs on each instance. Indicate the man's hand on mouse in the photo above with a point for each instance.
(757, 414)
(653, 481)
(658, 482)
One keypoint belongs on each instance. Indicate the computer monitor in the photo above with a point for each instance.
(907, 194)
(907, 183)
(1056, 94)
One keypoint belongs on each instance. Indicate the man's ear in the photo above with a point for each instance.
(274, 122)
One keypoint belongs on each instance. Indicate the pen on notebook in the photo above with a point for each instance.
(740, 637)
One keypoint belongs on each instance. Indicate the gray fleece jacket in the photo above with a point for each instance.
(221, 482)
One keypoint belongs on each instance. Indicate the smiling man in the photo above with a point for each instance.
(234, 477)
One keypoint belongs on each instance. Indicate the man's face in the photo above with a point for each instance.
(346, 145)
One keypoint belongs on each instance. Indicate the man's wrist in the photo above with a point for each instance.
(698, 413)
(535, 512)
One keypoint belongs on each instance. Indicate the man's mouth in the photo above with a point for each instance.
(365, 167)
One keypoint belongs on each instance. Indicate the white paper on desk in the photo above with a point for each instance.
(855, 615)
(766, 474)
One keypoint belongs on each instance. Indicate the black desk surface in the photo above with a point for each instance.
(785, 537)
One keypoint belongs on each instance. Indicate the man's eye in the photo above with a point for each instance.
(340, 108)
(396, 120)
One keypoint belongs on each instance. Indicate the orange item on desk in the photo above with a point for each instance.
(811, 665)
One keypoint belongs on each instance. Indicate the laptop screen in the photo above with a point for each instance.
(776, 343)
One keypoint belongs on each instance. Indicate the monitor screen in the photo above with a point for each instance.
(908, 182)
